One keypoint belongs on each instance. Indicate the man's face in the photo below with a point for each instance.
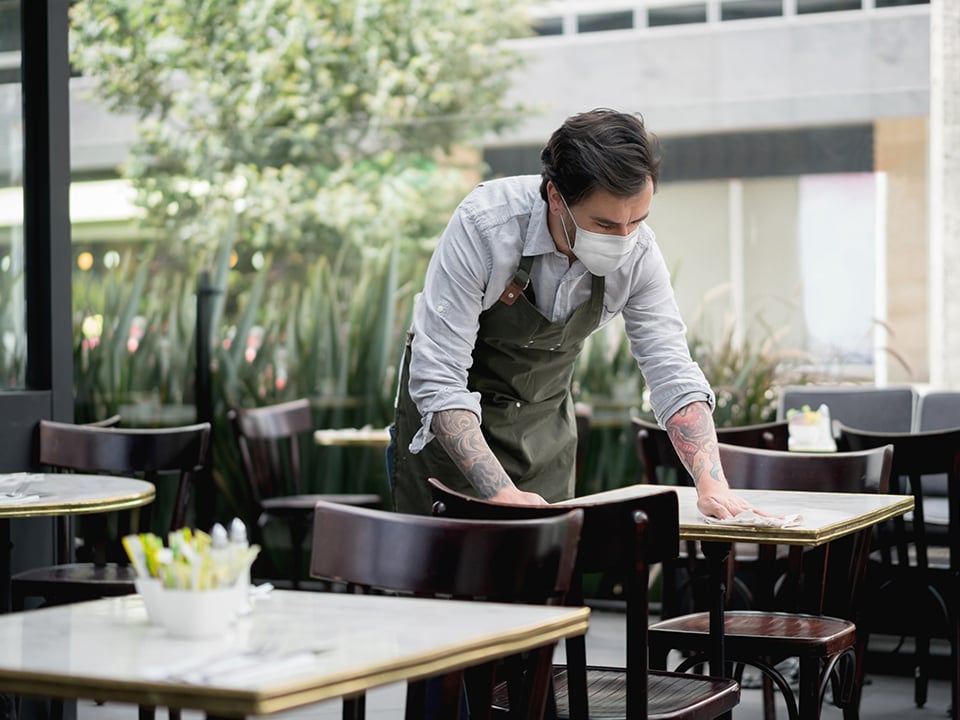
(600, 212)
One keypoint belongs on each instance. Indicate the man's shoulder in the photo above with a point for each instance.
(494, 202)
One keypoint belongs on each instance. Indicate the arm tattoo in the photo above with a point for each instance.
(458, 432)
(694, 437)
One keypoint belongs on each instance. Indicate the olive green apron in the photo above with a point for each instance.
(523, 369)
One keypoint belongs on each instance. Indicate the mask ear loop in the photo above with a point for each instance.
(566, 235)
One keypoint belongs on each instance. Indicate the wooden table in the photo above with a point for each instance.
(826, 517)
(353, 437)
(294, 649)
(54, 494)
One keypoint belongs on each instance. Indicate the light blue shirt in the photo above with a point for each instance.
(476, 258)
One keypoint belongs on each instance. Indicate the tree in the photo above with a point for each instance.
(310, 124)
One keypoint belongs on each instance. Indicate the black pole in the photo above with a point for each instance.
(204, 489)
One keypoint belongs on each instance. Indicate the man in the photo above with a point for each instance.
(525, 271)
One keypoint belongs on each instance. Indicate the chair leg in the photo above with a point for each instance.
(769, 698)
(355, 707)
(920, 680)
(809, 691)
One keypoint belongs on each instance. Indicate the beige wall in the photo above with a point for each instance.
(900, 151)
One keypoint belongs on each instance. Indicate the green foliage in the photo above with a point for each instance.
(302, 123)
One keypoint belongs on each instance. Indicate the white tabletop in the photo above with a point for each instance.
(45, 494)
(825, 516)
(364, 437)
(302, 647)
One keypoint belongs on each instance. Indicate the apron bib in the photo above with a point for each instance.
(523, 369)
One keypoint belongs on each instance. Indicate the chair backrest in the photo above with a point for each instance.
(620, 536)
(147, 452)
(530, 561)
(885, 409)
(658, 455)
(268, 439)
(938, 411)
(863, 471)
(916, 457)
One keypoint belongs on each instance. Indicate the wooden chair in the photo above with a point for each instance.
(530, 562)
(269, 440)
(685, 580)
(157, 455)
(813, 613)
(626, 536)
(914, 577)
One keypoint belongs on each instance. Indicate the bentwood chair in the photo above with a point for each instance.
(811, 604)
(161, 455)
(530, 561)
(685, 580)
(271, 442)
(625, 536)
(914, 574)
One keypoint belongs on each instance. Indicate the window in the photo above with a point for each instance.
(750, 9)
(820, 6)
(676, 15)
(548, 26)
(601, 22)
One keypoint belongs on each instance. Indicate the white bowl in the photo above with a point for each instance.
(190, 613)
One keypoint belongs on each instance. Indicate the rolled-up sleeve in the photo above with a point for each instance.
(658, 340)
(446, 322)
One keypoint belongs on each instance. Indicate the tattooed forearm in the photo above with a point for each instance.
(694, 437)
(458, 432)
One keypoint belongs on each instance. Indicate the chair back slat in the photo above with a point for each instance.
(268, 439)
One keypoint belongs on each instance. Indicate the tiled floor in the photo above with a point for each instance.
(884, 697)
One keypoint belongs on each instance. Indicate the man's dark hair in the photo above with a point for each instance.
(600, 149)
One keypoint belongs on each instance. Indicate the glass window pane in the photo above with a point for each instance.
(898, 3)
(677, 15)
(749, 9)
(13, 334)
(601, 22)
(548, 26)
(819, 6)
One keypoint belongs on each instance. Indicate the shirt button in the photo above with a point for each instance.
(518, 404)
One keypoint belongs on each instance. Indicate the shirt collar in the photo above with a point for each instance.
(539, 241)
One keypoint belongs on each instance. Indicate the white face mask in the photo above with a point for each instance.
(599, 252)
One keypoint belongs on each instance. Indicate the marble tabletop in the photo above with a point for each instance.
(824, 516)
(295, 648)
(364, 437)
(46, 494)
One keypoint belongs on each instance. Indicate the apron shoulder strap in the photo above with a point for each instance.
(521, 278)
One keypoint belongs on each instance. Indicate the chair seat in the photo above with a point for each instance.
(757, 633)
(670, 695)
(297, 504)
(75, 582)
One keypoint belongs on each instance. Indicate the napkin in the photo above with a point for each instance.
(751, 517)
(18, 500)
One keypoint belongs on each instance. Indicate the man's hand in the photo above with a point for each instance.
(513, 495)
(694, 437)
(720, 503)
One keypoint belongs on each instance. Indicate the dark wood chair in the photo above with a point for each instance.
(158, 455)
(163, 455)
(810, 609)
(625, 536)
(685, 584)
(530, 561)
(270, 440)
(914, 575)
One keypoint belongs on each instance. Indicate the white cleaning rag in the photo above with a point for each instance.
(751, 517)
